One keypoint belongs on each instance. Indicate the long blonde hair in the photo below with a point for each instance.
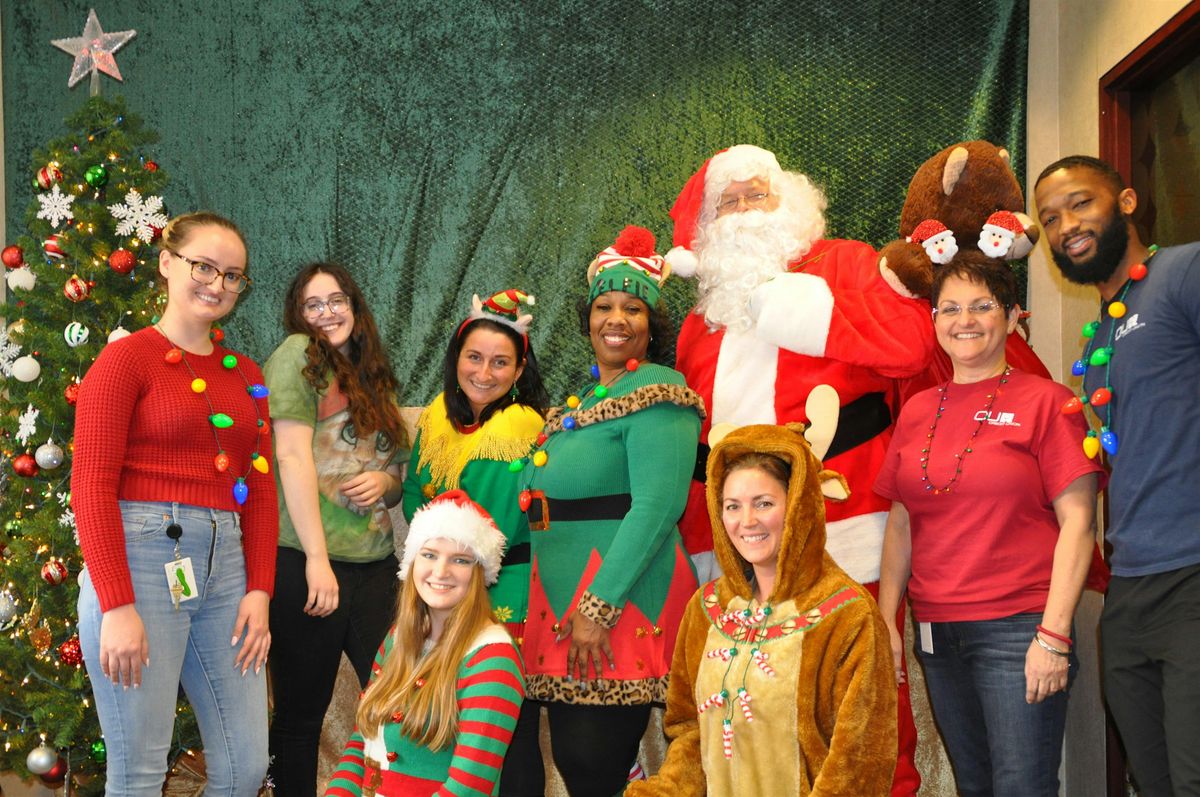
(429, 711)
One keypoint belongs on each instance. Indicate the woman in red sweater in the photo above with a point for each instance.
(178, 521)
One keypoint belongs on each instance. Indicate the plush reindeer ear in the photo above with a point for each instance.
(954, 169)
(823, 408)
(718, 431)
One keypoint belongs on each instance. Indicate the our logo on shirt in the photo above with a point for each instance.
(1131, 324)
(997, 418)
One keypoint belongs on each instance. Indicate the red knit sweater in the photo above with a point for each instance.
(142, 434)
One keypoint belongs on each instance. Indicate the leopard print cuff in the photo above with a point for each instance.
(598, 611)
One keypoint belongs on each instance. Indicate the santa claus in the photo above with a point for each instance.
(781, 310)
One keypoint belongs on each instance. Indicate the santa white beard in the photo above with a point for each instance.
(737, 253)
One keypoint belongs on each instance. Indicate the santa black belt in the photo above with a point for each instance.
(564, 510)
(859, 421)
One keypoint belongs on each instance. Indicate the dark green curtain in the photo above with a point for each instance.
(442, 148)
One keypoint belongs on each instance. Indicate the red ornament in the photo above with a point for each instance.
(524, 499)
(12, 256)
(1071, 405)
(1101, 397)
(174, 355)
(632, 364)
(76, 289)
(155, 233)
(51, 248)
(71, 393)
(217, 334)
(221, 462)
(25, 465)
(541, 438)
(48, 175)
(1137, 271)
(70, 653)
(122, 261)
(54, 572)
(151, 166)
(57, 774)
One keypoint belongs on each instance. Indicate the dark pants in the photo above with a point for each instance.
(594, 747)
(524, 773)
(307, 651)
(999, 745)
(1150, 641)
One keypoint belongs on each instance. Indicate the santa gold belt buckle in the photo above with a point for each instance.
(539, 523)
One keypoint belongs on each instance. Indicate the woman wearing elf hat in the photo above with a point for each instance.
(781, 683)
(340, 445)
(488, 415)
(447, 687)
(603, 492)
(178, 523)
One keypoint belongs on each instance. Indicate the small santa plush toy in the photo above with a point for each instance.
(999, 232)
(938, 241)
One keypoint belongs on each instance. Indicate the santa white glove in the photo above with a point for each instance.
(793, 312)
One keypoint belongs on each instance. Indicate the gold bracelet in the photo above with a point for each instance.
(1050, 649)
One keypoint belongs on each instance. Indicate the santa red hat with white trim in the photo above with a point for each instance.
(703, 190)
(455, 517)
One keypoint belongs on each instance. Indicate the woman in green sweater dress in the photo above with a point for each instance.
(610, 577)
(489, 414)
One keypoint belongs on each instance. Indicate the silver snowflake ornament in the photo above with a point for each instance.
(94, 52)
(56, 207)
(139, 215)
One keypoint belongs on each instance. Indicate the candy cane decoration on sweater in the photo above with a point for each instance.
(724, 654)
(760, 659)
(727, 737)
(744, 701)
(715, 699)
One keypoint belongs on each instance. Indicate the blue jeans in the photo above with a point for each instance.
(189, 647)
(999, 745)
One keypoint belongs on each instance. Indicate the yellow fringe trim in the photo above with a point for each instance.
(508, 435)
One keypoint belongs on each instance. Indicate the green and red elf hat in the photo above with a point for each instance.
(630, 265)
(504, 308)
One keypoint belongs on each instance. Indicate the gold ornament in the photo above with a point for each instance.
(41, 638)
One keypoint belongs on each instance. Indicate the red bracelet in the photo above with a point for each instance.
(1041, 629)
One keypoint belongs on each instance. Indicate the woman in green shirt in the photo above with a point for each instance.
(340, 446)
(488, 415)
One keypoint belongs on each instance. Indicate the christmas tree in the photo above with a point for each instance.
(82, 275)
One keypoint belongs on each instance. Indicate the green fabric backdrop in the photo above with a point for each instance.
(442, 148)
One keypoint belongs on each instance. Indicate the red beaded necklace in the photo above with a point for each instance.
(983, 415)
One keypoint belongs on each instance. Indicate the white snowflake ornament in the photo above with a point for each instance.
(9, 352)
(27, 424)
(56, 207)
(139, 215)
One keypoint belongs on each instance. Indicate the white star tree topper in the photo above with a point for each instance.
(94, 52)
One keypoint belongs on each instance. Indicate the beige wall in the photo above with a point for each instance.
(1071, 44)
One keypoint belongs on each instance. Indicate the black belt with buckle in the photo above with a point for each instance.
(516, 555)
(563, 510)
(859, 421)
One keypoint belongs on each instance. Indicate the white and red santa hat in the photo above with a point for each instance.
(455, 517)
(999, 232)
(937, 239)
(703, 189)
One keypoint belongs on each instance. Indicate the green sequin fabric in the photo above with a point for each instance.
(447, 148)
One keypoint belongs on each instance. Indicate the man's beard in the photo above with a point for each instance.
(1111, 244)
(737, 253)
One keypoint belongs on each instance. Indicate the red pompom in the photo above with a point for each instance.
(635, 242)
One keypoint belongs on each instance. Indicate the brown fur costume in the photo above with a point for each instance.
(824, 706)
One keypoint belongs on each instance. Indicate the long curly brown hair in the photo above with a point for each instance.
(364, 374)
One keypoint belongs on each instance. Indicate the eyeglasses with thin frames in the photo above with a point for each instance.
(752, 201)
(954, 310)
(337, 304)
(207, 273)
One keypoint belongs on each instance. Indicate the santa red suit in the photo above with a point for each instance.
(831, 319)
